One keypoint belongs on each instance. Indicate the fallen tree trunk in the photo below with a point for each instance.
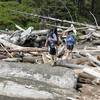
(63, 27)
(85, 51)
(29, 59)
(69, 65)
(81, 60)
(12, 59)
(9, 45)
(27, 49)
(85, 78)
(59, 20)
(96, 42)
(16, 48)
(94, 72)
(21, 37)
(91, 58)
(35, 54)
(96, 34)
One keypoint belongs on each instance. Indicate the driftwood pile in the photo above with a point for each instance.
(28, 46)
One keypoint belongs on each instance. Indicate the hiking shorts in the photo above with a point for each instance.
(70, 47)
(52, 51)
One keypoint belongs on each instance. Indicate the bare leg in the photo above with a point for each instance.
(52, 59)
(68, 54)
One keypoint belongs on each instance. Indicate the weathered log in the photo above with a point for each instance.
(59, 20)
(86, 76)
(85, 51)
(81, 60)
(96, 42)
(29, 59)
(88, 36)
(91, 58)
(27, 49)
(2, 56)
(98, 57)
(63, 27)
(85, 80)
(94, 72)
(76, 55)
(69, 65)
(40, 38)
(35, 53)
(16, 48)
(8, 44)
(20, 38)
(91, 63)
(96, 34)
(12, 59)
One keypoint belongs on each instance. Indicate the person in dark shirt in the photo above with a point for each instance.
(51, 44)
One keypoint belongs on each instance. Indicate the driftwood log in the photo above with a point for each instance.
(94, 72)
(59, 20)
(92, 58)
(17, 48)
(96, 34)
(85, 78)
(20, 38)
(64, 63)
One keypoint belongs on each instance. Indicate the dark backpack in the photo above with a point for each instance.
(52, 41)
(70, 40)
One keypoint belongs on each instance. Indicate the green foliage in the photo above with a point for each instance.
(8, 18)
(53, 8)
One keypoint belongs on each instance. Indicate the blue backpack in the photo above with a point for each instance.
(70, 40)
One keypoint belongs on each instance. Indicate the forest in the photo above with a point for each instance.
(71, 10)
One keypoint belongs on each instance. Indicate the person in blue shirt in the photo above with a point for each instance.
(70, 42)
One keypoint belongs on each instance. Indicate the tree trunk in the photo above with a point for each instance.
(15, 48)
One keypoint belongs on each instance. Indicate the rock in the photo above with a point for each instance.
(43, 82)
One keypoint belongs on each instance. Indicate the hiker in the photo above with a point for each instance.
(70, 42)
(51, 44)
